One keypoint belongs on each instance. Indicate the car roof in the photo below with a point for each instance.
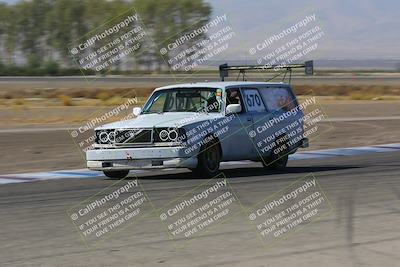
(221, 85)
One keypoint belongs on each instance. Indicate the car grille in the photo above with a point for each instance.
(124, 136)
(133, 136)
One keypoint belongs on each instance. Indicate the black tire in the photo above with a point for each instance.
(279, 156)
(116, 174)
(209, 159)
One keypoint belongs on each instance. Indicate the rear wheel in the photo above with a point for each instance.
(209, 159)
(279, 156)
(116, 174)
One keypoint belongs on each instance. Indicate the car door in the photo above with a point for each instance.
(276, 121)
(237, 145)
(256, 108)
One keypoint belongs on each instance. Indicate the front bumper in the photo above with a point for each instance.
(139, 158)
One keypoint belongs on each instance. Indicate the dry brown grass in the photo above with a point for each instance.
(19, 102)
(355, 91)
(102, 94)
(65, 100)
(115, 101)
(115, 96)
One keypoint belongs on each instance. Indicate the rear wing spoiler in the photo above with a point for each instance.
(308, 69)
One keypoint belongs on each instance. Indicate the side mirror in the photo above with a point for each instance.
(136, 111)
(233, 108)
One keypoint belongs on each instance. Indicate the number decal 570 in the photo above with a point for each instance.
(253, 100)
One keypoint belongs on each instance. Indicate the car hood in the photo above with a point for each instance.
(168, 119)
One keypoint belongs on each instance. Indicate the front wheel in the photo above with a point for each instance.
(209, 159)
(116, 174)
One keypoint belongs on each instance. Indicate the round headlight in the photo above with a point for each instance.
(111, 137)
(164, 135)
(103, 136)
(173, 135)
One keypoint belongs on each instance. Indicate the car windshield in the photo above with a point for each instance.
(184, 100)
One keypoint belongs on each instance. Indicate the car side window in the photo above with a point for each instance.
(253, 100)
(233, 97)
(278, 98)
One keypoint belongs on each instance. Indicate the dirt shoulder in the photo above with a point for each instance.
(20, 116)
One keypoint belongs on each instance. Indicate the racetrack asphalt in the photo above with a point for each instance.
(361, 229)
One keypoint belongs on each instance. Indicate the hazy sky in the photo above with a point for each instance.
(354, 29)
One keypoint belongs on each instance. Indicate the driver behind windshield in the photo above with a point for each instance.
(183, 100)
(212, 103)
